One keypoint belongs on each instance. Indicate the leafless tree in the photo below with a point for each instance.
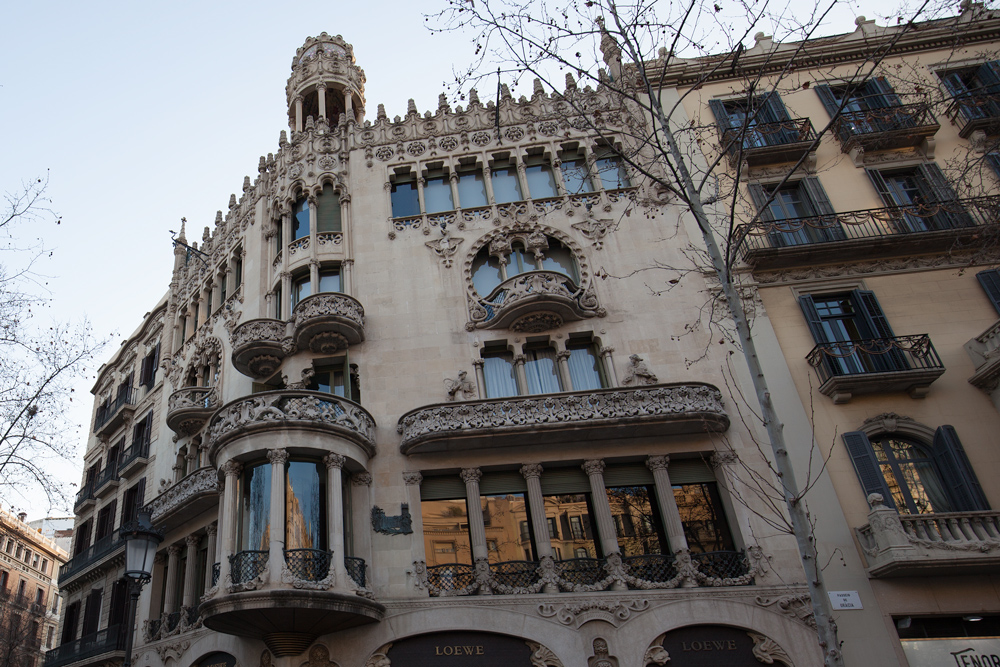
(20, 631)
(40, 359)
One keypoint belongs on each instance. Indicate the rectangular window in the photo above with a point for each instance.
(585, 370)
(538, 174)
(990, 281)
(4, 579)
(404, 196)
(277, 302)
(506, 187)
(437, 192)
(976, 90)
(92, 615)
(575, 173)
(798, 213)
(861, 108)
(35, 561)
(132, 501)
(300, 219)
(703, 517)
(610, 169)
(48, 637)
(238, 271)
(328, 211)
(333, 378)
(922, 197)
(446, 532)
(105, 521)
(561, 509)
(301, 288)
(147, 372)
(329, 280)
(506, 512)
(754, 122)
(70, 622)
(498, 369)
(471, 186)
(637, 520)
(541, 371)
(45, 566)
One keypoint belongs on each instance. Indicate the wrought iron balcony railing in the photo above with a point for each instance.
(885, 127)
(308, 564)
(866, 224)
(107, 640)
(132, 455)
(246, 566)
(107, 412)
(109, 474)
(764, 143)
(84, 494)
(216, 569)
(357, 569)
(91, 555)
(975, 111)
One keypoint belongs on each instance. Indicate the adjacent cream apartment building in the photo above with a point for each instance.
(866, 175)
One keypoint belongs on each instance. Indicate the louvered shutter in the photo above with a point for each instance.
(821, 206)
(879, 94)
(990, 280)
(956, 472)
(564, 481)
(866, 466)
(721, 115)
(828, 99)
(940, 192)
(812, 319)
(442, 487)
(877, 325)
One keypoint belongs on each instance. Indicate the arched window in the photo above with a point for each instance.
(300, 219)
(328, 211)
(913, 476)
(488, 271)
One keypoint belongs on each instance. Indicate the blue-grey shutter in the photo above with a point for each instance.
(812, 318)
(759, 196)
(867, 467)
(773, 109)
(938, 188)
(990, 280)
(821, 206)
(828, 99)
(879, 94)
(877, 324)
(988, 76)
(721, 115)
(993, 159)
(880, 186)
(955, 85)
(956, 472)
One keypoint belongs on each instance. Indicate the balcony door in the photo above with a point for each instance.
(854, 333)
(801, 213)
(922, 196)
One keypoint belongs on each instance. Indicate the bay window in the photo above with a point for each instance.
(300, 219)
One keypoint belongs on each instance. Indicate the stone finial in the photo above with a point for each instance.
(505, 92)
(473, 97)
(205, 236)
(218, 218)
(380, 115)
(443, 103)
(411, 107)
(262, 165)
(875, 500)
(181, 237)
(570, 81)
(310, 123)
(538, 89)
(283, 138)
(246, 183)
(232, 201)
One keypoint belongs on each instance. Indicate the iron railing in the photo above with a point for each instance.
(84, 494)
(247, 565)
(450, 576)
(216, 569)
(21, 602)
(767, 135)
(108, 410)
(867, 224)
(308, 564)
(971, 107)
(721, 564)
(652, 567)
(582, 571)
(138, 450)
(105, 641)
(109, 473)
(91, 554)
(869, 124)
(515, 573)
(357, 569)
(874, 355)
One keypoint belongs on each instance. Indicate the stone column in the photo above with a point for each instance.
(276, 547)
(667, 504)
(349, 105)
(170, 595)
(321, 93)
(313, 221)
(488, 182)
(478, 364)
(724, 463)
(558, 175)
(602, 509)
(210, 561)
(532, 473)
(335, 516)
(298, 114)
(412, 481)
(313, 274)
(421, 184)
(522, 379)
(191, 572)
(609, 365)
(285, 307)
(453, 181)
(522, 178)
(347, 276)
(227, 515)
(361, 504)
(477, 529)
(562, 363)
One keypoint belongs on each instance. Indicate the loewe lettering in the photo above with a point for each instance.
(713, 645)
(459, 650)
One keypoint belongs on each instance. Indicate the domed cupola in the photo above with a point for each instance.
(325, 83)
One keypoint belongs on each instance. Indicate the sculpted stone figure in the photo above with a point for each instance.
(638, 372)
(461, 385)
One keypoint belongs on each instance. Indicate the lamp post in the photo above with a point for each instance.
(141, 541)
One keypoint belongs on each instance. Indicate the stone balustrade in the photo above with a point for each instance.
(188, 408)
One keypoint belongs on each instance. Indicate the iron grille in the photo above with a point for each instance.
(582, 571)
(216, 569)
(721, 564)
(247, 565)
(356, 569)
(516, 573)
(451, 576)
(308, 564)
(652, 567)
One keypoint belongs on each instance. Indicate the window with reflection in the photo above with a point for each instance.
(911, 475)
(538, 173)
(404, 197)
(255, 508)
(498, 369)
(301, 288)
(585, 370)
(329, 280)
(488, 271)
(610, 169)
(437, 192)
(540, 369)
(571, 525)
(506, 187)
(328, 210)
(300, 219)
(503, 516)
(703, 517)
(471, 186)
(305, 505)
(575, 172)
(446, 531)
(637, 520)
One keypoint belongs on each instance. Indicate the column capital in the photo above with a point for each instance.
(520, 359)
(412, 477)
(362, 479)
(192, 541)
(212, 529)
(232, 468)
(334, 461)
(606, 350)
(658, 462)
(724, 459)
(277, 456)
(174, 550)
(471, 475)
(563, 354)
(479, 363)
(593, 466)
(531, 470)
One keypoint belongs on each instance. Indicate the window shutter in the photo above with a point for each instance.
(866, 466)
(879, 94)
(630, 474)
(956, 471)
(874, 317)
(721, 115)
(565, 480)
(759, 196)
(880, 186)
(828, 99)
(988, 75)
(442, 487)
(990, 280)
(953, 82)
(821, 206)
(993, 159)
(508, 481)
(690, 471)
(941, 192)
(773, 109)
(812, 318)
(140, 495)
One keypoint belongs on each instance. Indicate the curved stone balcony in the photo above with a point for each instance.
(293, 410)
(188, 498)
(189, 408)
(534, 301)
(564, 418)
(328, 322)
(259, 346)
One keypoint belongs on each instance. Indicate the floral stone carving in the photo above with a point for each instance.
(203, 481)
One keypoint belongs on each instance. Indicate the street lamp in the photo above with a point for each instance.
(141, 541)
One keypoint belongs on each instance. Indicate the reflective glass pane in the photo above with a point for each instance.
(300, 289)
(637, 524)
(329, 281)
(503, 515)
(575, 176)
(472, 189)
(519, 261)
(446, 531)
(305, 502)
(505, 186)
(255, 509)
(558, 258)
(612, 173)
(405, 200)
(541, 182)
(486, 273)
(702, 517)
(570, 528)
(300, 219)
(437, 195)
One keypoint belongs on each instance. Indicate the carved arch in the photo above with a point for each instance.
(207, 353)
(890, 422)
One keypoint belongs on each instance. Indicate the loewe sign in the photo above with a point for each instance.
(710, 646)
(460, 649)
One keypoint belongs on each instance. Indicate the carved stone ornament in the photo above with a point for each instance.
(319, 656)
(656, 655)
(254, 584)
(889, 421)
(537, 322)
(767, 651)
(263, 365)
(594, 229)
(173, 650)
(362, 478)
(380, 657)
(411, 478)
(201, 481)
(328, 342)
(288, 577)
(265, 658)
(602, 655)
(542, 656)
(614, 612)
(445, 247)
(460, 385)
(258, 330)
(402, 524)
(796, 607)
(638, 373)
